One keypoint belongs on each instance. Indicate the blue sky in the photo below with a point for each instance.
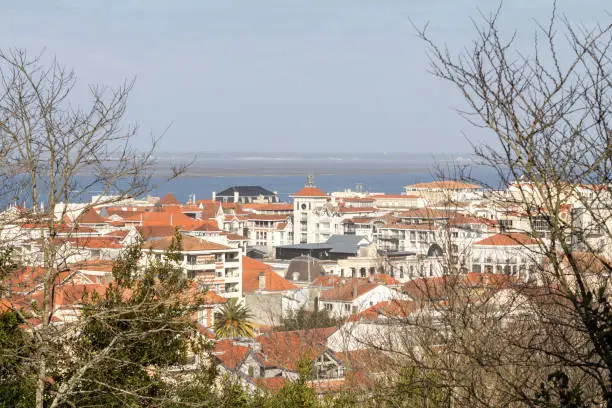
(282, 75)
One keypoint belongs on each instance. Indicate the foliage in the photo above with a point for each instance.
(298, 393)
(556, 393)
(233, 320)
(303, 319)
(16, 376)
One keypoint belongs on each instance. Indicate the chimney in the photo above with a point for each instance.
(262, 281)
(214, 196)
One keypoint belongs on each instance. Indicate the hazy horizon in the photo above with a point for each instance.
(275, 75)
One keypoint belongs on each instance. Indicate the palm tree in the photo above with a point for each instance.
(234, 320)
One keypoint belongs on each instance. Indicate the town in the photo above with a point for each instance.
(369, 261)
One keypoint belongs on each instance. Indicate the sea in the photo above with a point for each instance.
(286, 173)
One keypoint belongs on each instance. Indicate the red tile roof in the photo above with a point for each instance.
(508, 239)
(188, 243)
(284, 349)
(272, 384)
(252, 269)
(388, 309)
(268, 207)
(169, 199)
(90, 216)
(310, 192)
(229, 354)
(161, 218)
(345, 293)
(267, 217)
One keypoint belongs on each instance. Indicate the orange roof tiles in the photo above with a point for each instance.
(285, 348)
(345, 293)
(89, 216)
(388, 309)
(95, 242)
(188, 243)
(310, 192)
(169, 199)
(251, 271)
(508, 239)
(395, 196)
(268, 207)
(348, 210)
(267, 217)
(272, 384)
(230, 354)
(161, 218)
(421, 226)
(93, 265)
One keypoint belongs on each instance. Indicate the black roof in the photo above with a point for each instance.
(248, 191)
(342, 244)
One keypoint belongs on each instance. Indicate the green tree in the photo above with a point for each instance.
(298, 393)
(234, 320)
(16, 375)
(303, 319)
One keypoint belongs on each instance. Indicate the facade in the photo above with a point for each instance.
(246, 194)
(213, 266)
(306, 226)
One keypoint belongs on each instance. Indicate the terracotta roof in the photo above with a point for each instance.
(229, 354)
(426, 213)
(267, 217)
(95, 242)
(432, 289)
(251, 271)
(169, 199)
(345, 293)
(328, 281)
(357, 209)
(444, 184)
(117, 234)
(272, 384)
(234, 237)
(93, 265)
(188, 243)
(425, 226)
(310, 192)
(284, 349)
(155, 231)
(204, 225)
(161, 218)
(268, 207)
(90, 216)
(508, 239)
(395, 196)
(389, 309)
(281, 226)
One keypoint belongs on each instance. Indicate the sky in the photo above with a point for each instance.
(274, 75)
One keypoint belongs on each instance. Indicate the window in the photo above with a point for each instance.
(347, 307)
(362, 272)
(328, 307)
(401, 272)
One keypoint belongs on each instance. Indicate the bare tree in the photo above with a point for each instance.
(547, 113)
(52, 151)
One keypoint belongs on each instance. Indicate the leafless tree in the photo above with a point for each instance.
(547, 113)
(52, 151)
